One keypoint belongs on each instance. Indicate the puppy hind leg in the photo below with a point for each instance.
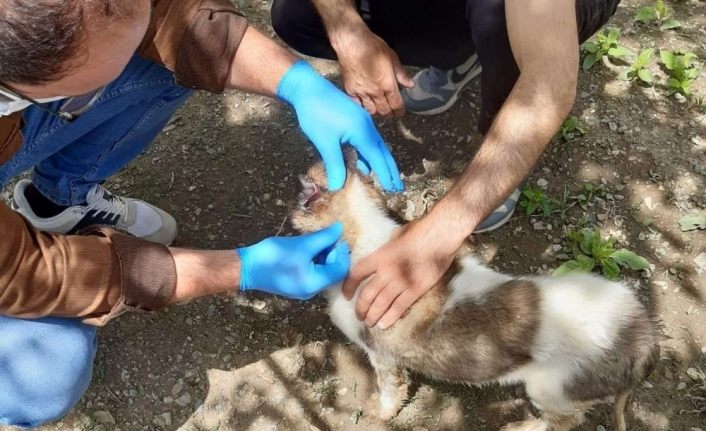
(393, 383)
(619, 411)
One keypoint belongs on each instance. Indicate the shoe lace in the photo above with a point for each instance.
(100, 201)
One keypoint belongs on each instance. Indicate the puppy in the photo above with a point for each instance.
(574, 341)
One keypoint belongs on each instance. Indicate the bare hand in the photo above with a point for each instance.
(371, 71)
(402, 271)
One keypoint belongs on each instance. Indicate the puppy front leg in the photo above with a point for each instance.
(393, 384)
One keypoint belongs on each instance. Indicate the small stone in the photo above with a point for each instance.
(584, 95)
(681, 386)
(695, 374)
(601, 428)
(556, 247)
(259, 304)
(104, 417)
(167, 418)
(538, 225)
(647, 385)
(266, 197)
(168, 400)
(192, 188)
(700, 263)
(542, 183)
(183, 400)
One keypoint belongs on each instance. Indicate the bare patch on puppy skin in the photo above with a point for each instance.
(621, 368)
(477, 343)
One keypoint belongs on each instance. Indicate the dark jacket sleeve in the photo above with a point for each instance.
(95, 276)
(196, 39)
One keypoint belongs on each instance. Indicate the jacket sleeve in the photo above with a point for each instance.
(196, 39)
(95, 276)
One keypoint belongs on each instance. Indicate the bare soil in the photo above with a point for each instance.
(227, 168)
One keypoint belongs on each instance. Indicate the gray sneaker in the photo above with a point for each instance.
(105, 209)
(500, 215)
(436, 90)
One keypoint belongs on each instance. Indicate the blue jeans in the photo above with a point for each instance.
(69, 158)
(45, 367)
(46, 364)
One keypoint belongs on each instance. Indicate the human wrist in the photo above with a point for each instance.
(291, 83)
(245, 279)
(451, 224)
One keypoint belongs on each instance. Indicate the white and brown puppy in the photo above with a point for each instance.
(573, 341)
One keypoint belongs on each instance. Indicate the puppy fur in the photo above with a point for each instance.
(573, 341)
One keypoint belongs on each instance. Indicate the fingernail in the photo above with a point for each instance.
(381, 325)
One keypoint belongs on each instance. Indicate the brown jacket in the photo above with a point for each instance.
(102, 273)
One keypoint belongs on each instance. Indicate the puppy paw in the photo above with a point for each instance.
(384, 407)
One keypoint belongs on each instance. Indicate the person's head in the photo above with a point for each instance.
(51, 48)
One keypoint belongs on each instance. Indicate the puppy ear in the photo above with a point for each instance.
(351, 157)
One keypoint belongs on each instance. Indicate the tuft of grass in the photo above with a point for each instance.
(683, 69)
(658, 14)
(639, 70)
(590, 251)
(604, 44)
(588, 193)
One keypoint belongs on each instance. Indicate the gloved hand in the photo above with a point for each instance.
(330, 119)
(296, 267)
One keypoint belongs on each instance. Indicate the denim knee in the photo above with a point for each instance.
(45, 367)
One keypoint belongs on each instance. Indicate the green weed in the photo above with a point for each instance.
(571, 128)
(604, 44)
(590, 252)
(640, 70)
(660, 14)
(533, 200)
(588, 193)
(683, 69)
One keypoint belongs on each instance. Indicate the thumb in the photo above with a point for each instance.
(316, 242)
(338, 262)
(401, 74)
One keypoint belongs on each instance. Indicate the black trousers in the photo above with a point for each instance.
(441, 33)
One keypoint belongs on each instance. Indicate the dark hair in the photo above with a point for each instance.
(40, 40)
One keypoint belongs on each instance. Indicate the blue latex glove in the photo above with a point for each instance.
(331, 119)
(296, 267)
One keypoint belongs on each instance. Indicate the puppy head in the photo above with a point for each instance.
(318, 207)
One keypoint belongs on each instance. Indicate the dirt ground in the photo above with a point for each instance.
(227, 168)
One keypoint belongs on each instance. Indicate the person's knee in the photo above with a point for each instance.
(284, 23)
(45, 375)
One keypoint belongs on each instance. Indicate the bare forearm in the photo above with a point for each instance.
(519, 135)
(341, 19)
(259, 64)
(204, 273)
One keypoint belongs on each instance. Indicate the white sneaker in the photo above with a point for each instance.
(104, 209)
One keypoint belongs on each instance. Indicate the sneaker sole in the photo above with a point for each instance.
(441, 109)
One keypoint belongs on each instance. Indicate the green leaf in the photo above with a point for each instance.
(692, 222)
(531, 207)
(668, 58)
(645, 15)
(670, 24)
(589, 61)
(610, 269)
(629, 259)
(619, 52)
(589, 239)
(645, 75)
(591, 47)
(643, 58)
(613, 34)
(581, 264)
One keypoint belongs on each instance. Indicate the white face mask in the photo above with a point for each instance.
(10, 104)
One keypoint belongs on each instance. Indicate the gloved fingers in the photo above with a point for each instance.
(332, 156)
(316, 242)
(362, 165)
(394, 170)
(378, 157)
(338, 262)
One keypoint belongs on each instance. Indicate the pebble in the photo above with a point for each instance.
(104, 417)
(681, 386)
(556, 247)
(259, 304)
(183, 400)
(542, 183)
(538, 225)
(601, 428)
